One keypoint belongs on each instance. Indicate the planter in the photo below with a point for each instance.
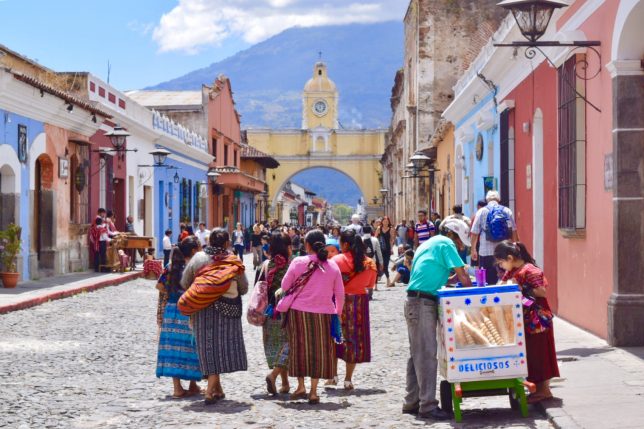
(9, 280)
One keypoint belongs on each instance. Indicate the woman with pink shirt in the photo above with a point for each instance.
(313, 292)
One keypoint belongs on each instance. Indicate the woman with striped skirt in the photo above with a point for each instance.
(177, 356)
(217, 327)
(313, 292)
(359, 274)
(273, 335)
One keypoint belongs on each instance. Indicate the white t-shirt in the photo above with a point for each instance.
(167, 244)
(203, 236)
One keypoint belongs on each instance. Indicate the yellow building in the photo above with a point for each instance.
(322, 143)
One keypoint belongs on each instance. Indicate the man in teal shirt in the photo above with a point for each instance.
(433, 262)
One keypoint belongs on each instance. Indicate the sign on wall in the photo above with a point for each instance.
(63, 168)
(608, 171)
(22, 143)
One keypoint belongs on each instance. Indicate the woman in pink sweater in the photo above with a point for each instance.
(313, 292)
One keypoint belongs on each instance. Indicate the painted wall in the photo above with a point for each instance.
(9, 159)
(444, 189)
(538, 91)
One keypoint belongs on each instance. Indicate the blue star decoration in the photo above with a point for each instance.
(520, 354)
(497, 299)
(449, 329)
(520, 334)
(484, 300)
(468, 301)
(451, 359)
(517, 306)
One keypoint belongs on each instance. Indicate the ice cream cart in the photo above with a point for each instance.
(482, 346)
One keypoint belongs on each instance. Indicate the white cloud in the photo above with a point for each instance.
(193, 24)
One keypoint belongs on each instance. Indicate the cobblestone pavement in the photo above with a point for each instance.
(89, 361)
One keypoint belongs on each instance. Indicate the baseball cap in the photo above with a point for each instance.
(460, 228)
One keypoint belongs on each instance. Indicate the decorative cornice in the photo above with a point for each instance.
(625, 68)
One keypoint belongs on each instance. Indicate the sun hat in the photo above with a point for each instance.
(460, 228)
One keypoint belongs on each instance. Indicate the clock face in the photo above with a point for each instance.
(320, 107)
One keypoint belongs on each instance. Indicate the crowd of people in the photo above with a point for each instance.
(314, 285)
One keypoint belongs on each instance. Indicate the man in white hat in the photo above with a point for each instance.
(434, 260)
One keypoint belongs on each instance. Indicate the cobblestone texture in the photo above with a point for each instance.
(89, 361)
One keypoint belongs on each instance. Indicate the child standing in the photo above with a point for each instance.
(519, 265)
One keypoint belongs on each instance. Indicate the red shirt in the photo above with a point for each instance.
(356, 283)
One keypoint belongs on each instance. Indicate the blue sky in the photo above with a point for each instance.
(150, 41)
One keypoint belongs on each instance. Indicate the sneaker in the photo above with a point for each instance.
(436, 414)
(413, 411)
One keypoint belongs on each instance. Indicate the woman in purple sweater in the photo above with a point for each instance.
(313, 292)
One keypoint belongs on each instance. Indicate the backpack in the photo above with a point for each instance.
(368, 248)
(497, 224)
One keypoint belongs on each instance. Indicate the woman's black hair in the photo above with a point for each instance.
(279, 243)
(190, 230)
(187, 245)
(178, 263)
(409, 253)
(109, 213)
(317, 241)
(218, 238)
(356, 244)
(517, 250)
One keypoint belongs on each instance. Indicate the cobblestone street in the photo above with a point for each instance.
(89, 362)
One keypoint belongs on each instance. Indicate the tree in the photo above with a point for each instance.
(342, 213)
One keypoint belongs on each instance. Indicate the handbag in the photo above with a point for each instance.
(230, 308)
(256, 313)
(336, 329)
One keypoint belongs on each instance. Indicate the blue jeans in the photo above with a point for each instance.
(239, 250)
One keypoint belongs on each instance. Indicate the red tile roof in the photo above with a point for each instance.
(249, 152)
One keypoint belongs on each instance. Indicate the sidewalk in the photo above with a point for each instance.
(32, 293)
(601, 386)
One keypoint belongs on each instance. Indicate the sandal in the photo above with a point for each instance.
(348, 385)
(180, 395)
(536, 398)
(332, 381)
(314, 401)
(285, 389)
(296, 396)
(270, 386)
(212, 399)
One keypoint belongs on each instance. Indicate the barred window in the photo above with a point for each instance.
(572, 146)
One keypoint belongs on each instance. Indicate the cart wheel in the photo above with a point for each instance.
(514, 401)
(446, 397)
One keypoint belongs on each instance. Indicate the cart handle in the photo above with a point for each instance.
(530, 386)
(458, 390)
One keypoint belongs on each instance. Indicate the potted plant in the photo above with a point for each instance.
(10, 245)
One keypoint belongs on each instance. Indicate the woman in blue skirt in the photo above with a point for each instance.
(177, 356)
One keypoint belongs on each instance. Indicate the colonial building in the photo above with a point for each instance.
(568, 161)
(321, 142)
(441, 39)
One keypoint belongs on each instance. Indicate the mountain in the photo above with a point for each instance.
(268, 77)
(335, 188)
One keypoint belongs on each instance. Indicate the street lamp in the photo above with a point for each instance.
(532, 16)
(118, 137)
(419, 160)
(160, 156)
(213, 175)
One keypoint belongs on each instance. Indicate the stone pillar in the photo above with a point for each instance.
(626, 304)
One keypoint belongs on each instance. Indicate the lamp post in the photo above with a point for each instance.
(417, 164)
(118, 138)
(384, 192)
(532, 18)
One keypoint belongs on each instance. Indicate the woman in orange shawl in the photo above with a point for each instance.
(358, 274)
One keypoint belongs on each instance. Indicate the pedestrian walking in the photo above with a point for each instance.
(273, 335)
(373, 251)
(474, 256)
(216, 281)
(401, 233)
(457, 213)
(423, 230)
(386, 240)
(177, 356)
(313, 292)
(167, 247)
(358, 275)
(411, 233)
(355, 224)
(433, 262)
(256, 246)
(492, 224)
(520, 267)
(202, 234)
(238, 241)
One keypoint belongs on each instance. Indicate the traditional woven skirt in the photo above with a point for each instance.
(275, 343)
(220, 342)
(542, 357)
(355, 330)
(311, 348)
(177, 355)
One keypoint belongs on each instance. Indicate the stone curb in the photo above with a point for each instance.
(558, 417)
(33, 302)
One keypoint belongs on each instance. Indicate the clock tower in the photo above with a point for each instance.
(320, 101)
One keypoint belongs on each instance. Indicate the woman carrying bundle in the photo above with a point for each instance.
(358, 274)
(216, 282)
(274, 337)
(313, 292)
(177, 356)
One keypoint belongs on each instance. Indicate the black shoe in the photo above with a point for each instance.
(413, 411)
(436, 414)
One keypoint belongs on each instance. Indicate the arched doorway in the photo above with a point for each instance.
(44, 204)
(299, 198)
(8, 196)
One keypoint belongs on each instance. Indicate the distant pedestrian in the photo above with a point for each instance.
(492, 224)
(238, 241)
(424, 229)
(402, 269)
(480, 204)
(520, 267)
(457, 213)
(411, 233)
(358, 275)
(385, 236)
(273, 336)
(373, 251)
(167, 247)
(129, 225)
(401, 233)
(216, 281)
(177, 356)
(256, 245)
(355, 224)
(202, 234)
(433, 262)
(313, 292)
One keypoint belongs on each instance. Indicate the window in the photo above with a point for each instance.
(225, 155)
(235, 160)
(214, 148)
(78, 190)
(572, 147)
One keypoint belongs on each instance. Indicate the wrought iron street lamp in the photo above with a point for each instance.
(118, 137)
(160, 156)
(532, 18)
(213, 175)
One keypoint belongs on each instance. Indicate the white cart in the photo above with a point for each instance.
(481, 346)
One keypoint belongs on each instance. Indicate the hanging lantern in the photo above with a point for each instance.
(532, 16)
